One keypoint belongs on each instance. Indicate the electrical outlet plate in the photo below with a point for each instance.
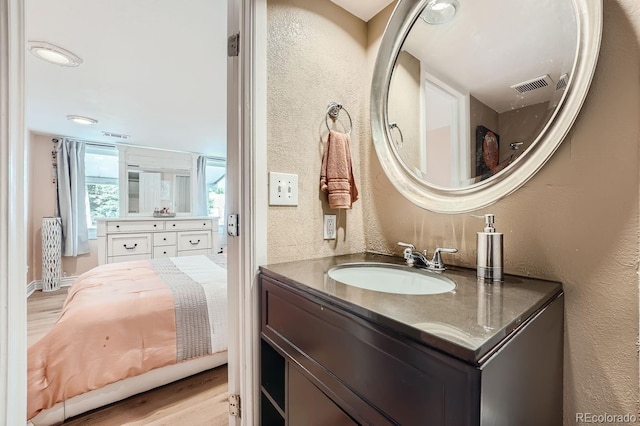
(283, 189)
(329, 227)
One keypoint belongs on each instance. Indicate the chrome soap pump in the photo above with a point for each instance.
(489, 247)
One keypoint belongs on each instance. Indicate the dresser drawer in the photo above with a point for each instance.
(135, 226)
(194, 224)
(165, 251)
(164, 239)
(194, 240)
(116, 259)
(126, 245)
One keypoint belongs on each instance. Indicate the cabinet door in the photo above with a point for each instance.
(309, 406)
(376, 376)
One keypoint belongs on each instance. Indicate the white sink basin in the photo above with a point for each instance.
(389, 278)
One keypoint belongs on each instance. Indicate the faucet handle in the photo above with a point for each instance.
(408, 251)
(407, 245)
(437, 263)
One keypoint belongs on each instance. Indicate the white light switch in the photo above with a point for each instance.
(283, 189)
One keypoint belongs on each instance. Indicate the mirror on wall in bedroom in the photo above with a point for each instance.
(469, 99)
(156, 180)
(151, 190)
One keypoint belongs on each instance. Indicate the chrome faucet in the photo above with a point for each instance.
(419, 260)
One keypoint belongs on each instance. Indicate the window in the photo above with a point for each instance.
(101, 179)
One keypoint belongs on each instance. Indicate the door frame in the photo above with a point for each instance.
(247, 143)
(246, 195)
(460, 113)
(13, 209)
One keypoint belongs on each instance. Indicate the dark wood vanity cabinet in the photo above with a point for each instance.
(322, 365)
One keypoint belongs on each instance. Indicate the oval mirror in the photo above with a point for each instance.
(470, 98)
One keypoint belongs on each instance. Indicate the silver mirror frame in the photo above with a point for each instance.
(481, 194)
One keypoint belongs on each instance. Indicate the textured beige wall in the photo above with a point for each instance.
(316, 54)
(479, 115)
(42, 203)
(519, 125)
(576, 222)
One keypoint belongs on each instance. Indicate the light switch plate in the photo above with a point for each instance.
(283, 189)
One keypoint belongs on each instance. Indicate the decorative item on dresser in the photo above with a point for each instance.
(51, 253)
(126, 239)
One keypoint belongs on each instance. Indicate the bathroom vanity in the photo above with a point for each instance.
(335, 354)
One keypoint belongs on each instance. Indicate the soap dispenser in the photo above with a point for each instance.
(489, 247)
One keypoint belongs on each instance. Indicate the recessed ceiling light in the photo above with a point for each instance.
(82, 120)
(440, 11)
(54, 54)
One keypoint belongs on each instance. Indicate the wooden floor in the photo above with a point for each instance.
(196, 401)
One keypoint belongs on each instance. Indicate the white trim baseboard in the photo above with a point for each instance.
(37, 284)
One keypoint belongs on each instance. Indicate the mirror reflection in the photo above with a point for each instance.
(471, 91)
(153, 190)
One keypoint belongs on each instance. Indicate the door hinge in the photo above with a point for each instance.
(233, 45)
(233, 225)
(234, 405)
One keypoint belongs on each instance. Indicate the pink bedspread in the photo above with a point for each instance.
(118, 321)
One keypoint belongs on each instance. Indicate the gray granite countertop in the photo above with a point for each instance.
(468, 322)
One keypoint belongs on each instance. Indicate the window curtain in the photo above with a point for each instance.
(183, 188)
(71, 202)
(202, 195)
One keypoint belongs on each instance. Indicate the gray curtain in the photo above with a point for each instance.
(71, 204)
(202, 196)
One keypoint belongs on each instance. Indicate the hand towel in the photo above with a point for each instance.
(336, 176)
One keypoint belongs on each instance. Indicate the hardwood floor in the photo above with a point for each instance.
(198, 400)
(43, 310)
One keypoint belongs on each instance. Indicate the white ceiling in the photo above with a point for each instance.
(156, 69)
(152, 69)
(494, 44)
(364, 10)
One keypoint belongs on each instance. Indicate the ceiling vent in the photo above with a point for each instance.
(562, 83)
(116, 135)
(534, 84)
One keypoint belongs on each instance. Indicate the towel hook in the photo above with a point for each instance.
(333, 111)
(392, 126)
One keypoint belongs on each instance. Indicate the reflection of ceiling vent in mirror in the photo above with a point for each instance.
(562, 83)
(115, 135)
(534, 84)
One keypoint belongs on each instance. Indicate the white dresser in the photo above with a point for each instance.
(124, 239)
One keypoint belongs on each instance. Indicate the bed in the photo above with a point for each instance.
(126, 328)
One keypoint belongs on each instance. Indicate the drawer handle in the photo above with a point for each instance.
(155, 225)
(118, 226)
(174, 225)
(194, 244)
(130, 248)
(164, 239)
(164, 252)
